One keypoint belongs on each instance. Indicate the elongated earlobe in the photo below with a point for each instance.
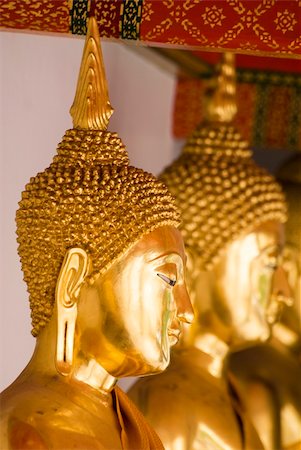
(65, 340)
(73, 273)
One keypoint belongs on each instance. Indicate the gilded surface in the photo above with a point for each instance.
(220, 189)
(234, 304)
(105, 264)
(91, 108)
(267, 378)
(221, 106)
(288, 331)
(89, 171)
(233, 214)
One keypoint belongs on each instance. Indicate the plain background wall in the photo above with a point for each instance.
(37, 85)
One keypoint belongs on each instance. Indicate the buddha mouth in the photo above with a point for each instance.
(174, 335)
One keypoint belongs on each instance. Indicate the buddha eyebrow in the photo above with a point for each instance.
(169, 258)
(275, 248)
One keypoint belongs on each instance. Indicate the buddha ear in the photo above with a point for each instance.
(74, 270)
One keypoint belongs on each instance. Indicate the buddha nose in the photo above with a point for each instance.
(281, 290)
(280, 295)
(184, 307)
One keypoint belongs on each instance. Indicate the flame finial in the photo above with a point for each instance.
(91, 109)
(220, 104)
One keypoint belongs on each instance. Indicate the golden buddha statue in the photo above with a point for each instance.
(288, 329)
(104, 264)
(267, 376)
(232, 223)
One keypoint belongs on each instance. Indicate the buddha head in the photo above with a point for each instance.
(288, 329)
(99, 244)
(232, 223)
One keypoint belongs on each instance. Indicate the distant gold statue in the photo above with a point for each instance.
(104, 265)
(268, 376)
(232, 216)
(288, 330)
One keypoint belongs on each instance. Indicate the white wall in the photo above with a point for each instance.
(37, 84)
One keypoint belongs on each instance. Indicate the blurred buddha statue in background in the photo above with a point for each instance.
(288, 329)
(232, 223)
(104, 264)
(268, 376)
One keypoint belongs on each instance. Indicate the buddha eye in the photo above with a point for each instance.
(272, 264)
(167, 279)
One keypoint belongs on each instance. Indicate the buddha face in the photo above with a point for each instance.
(288, 329)
(130, 316)
(292, 265)
(246, 288)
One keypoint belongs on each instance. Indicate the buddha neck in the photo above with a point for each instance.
(216, 350)
(84, 370)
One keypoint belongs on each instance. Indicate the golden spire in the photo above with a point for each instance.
(91, 109)
(220, 104)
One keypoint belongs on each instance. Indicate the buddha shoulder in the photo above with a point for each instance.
(191, 400)
(22, 417)
(34, 417)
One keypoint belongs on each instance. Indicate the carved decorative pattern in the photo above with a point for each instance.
(40, 15)
(78, 16)
(130, 19)
(265, 26)
(108, 16)
(257, 26)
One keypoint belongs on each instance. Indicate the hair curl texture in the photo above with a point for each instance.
(91, 198)
(220, 191)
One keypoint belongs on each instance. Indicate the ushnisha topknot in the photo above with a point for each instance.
(89, 197)
(220, 191)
